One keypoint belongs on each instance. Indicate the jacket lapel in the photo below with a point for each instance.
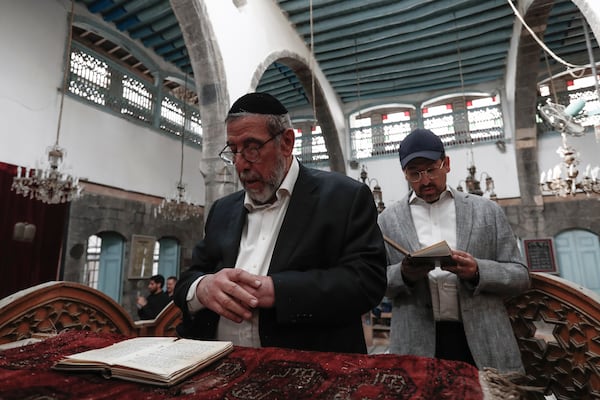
(408, 231)
(464, 217)
(299, 213)
(235, 227)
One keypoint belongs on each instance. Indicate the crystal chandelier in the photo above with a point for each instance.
(179, 207)
(562, 180)
(50, 185)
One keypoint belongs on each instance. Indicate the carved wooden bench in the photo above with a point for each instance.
(55, 306)
(557, 325)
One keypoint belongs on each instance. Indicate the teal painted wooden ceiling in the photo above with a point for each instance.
(375, 49)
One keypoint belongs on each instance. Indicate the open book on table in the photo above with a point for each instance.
(427, 256)
(162, 361)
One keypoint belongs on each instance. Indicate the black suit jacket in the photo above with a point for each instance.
(155, 304)
(328, 265)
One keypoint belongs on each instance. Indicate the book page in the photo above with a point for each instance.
(116, 352)
(435, 250)
(160, 355)
(169, 358)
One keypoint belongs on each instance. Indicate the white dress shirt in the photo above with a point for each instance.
(435, 222)
(256, 248)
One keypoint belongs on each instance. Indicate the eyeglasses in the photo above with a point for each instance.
(250, 154)
(430, 173)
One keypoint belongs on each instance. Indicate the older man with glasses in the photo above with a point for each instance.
(295, 258)
(453, 312)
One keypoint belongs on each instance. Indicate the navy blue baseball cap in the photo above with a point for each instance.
(420, 143)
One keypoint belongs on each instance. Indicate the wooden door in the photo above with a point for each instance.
(168, 259)
(111, 266)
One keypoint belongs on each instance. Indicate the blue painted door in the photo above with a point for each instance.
(578, 254)
(168, 259)
(111, 266)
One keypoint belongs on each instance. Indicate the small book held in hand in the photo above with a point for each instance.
(427, 256)
(162, 361)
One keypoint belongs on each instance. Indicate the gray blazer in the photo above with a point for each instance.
(483, 230)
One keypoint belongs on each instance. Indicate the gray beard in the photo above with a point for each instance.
(272, 183)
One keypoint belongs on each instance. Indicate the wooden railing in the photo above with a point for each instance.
(556, 323)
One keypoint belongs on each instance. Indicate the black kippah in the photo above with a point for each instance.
(257, 103)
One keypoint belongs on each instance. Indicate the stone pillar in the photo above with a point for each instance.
(213, 98)
(531, 223)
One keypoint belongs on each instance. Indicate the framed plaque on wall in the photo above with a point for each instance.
(142, 256)
(540, 255)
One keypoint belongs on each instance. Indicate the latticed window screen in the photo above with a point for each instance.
(107, 84)
(309, 146)
(480, 121)
(90, 77)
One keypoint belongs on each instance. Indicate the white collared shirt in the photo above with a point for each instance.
(435, 222)
(258, 240)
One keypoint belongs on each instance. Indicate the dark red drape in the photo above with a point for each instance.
(24, 264)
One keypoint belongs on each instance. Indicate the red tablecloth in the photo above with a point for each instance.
(268, 373)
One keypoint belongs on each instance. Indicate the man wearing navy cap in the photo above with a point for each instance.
(294, 259)
(453, 312)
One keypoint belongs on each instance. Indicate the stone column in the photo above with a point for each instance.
(213, 98)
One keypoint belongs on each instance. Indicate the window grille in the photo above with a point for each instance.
(106, 84)
(309, 147)
(481, 122)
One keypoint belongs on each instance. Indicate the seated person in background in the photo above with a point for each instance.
(295, 259)
(455, 312)
(171, 282)
(149, 307)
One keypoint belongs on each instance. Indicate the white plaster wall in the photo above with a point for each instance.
(101, 147)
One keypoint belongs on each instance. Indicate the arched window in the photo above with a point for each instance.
(464, 118)
(378, 131)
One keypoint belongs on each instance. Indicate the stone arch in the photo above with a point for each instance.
(587, 8)
(211, 86)
(303, 71)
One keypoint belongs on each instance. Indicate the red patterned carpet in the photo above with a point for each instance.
(269, 373)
